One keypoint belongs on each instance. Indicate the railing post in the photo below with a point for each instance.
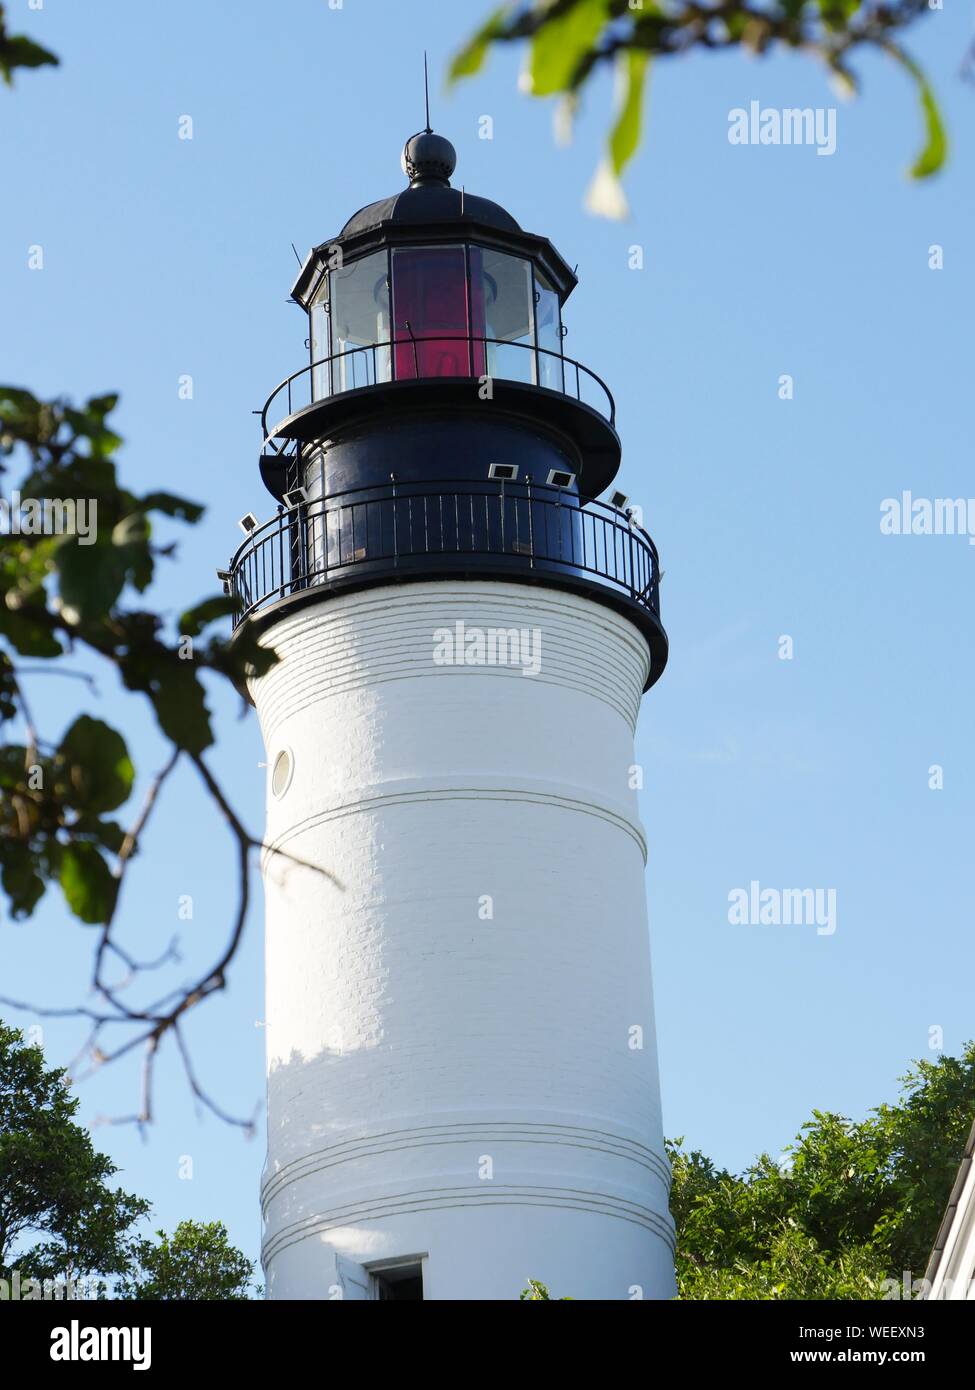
(531, 523)
(281, 550)
(632, 570)
(392, 478)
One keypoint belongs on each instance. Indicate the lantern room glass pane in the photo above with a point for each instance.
(431, 324)
(358, 296)
(501, 298)
(319, 347)
(549, 326)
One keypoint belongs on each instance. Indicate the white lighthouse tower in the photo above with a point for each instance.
(462, 1068)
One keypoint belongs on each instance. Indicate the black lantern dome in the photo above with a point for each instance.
(437, 382)
(428, 161)
(428, 157)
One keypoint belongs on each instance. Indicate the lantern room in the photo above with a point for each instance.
(421, 302)
(442, 310)
(455, 289)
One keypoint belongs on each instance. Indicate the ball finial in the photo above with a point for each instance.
(428, 158)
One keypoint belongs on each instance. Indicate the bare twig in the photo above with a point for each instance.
(125, 853)
(248, 1126)
(89, 680)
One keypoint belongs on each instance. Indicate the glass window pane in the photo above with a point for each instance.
(359, 310)
(319, 348)
(501, 295)
(430, 308)
(549, 323)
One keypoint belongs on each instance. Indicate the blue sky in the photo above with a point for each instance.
(165, 257)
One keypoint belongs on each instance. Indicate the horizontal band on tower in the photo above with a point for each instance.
(414, 790)
(482, 1134)
(352, 642)
(483, 1195)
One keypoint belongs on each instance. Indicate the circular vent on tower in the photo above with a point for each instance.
(282, 772)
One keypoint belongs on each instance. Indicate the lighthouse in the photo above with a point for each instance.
(462, 1077)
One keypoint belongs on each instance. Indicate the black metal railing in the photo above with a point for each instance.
(403, 529)
(409, 359)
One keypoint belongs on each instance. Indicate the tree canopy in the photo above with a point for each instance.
(63, 1218)
(197, 1263)
(60, 1215)
(849, 1212)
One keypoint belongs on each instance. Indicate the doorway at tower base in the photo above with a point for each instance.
(568, 1251)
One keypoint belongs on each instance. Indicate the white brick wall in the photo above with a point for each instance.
(410, 1040)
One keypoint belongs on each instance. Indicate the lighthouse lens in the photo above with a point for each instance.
(432, 327)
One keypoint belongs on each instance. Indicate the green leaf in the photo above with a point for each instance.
(605, 196)
(471, 57)
(242, 657)
(107, 833)
(130, 536)
(87, 883)
(195, 619)
(171, 505)
(182, 715)
(98, 765)
(9, 693)
(20, 412)
(180, 705)
(21, 52)
(22, 883)
(560, 45)
(935, 151)
(171, 683)
(88, 422)
(625, 136)
(26, 636)
(835, 13)
(100, 406)
(90, 577)
(131, 530)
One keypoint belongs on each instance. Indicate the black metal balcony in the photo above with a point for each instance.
(441, 357)
(516, 531)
